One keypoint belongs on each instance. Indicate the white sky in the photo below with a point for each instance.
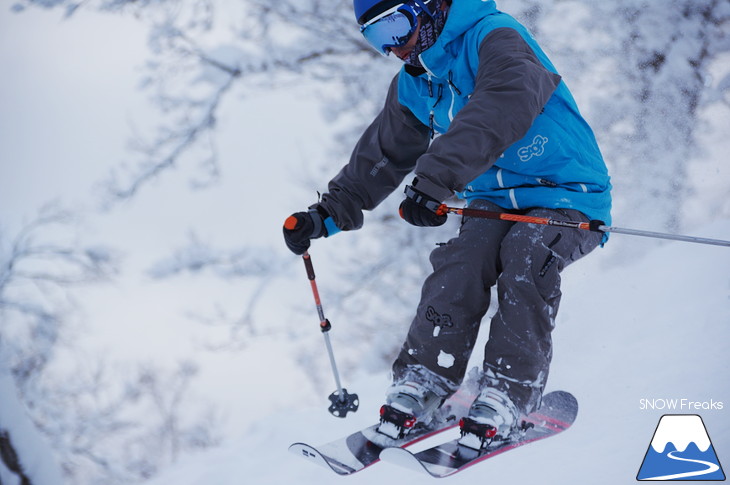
(67, 90)
(68, 102)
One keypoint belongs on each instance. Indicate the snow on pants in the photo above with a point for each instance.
(524, 261)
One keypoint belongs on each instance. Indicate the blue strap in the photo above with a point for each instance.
(331, 227)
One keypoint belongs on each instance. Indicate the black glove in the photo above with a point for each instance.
(420, 209)
(300, 227)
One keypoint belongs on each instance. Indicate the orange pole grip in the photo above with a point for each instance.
(291, 223)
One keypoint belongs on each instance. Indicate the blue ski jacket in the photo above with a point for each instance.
(508, 129)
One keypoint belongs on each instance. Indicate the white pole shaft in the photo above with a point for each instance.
(663, 235)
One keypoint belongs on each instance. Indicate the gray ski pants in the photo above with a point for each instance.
(524, 261)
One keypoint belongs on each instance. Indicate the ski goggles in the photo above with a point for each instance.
(394, 27)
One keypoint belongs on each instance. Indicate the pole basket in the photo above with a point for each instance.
(343, 403)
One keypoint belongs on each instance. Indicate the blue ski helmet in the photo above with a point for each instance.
(367, 9)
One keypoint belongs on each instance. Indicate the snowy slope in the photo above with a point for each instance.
(651, 330)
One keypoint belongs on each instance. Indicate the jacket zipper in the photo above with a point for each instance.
(454, 92)
(432, 112)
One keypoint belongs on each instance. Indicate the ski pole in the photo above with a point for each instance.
(594, 225)
(341, 401)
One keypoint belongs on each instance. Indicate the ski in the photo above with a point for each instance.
(556, 414)
(362, 448)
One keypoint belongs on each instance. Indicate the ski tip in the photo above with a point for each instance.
(406, 459)
(311, 454)
(401, 457)
(564, 397)
(563, 401)
(295, 447)
(304, 450)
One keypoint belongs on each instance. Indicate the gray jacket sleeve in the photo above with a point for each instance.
(386, 153)
(511, 88)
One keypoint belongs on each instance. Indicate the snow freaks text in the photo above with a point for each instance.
(679, 405)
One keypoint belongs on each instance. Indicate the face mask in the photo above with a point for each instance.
(430, 30)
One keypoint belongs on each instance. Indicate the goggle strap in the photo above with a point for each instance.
(395, 8)
(424, 7)
(380, 16)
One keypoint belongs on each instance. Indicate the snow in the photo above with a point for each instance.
(656, 328)
(446, 360)
(650, 328)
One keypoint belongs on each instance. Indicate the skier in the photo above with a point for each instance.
(511, 139)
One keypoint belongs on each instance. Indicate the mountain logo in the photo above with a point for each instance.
(681, 450)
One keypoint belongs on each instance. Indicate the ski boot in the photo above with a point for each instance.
(408, 406)
(492, 417)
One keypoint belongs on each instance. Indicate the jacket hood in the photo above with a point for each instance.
(463, 15)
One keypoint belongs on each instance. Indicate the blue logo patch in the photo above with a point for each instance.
(535, 149)
(681, 450)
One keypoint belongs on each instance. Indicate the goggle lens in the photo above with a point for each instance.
(391, 30)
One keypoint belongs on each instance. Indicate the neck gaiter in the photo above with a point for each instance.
(430, 30)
